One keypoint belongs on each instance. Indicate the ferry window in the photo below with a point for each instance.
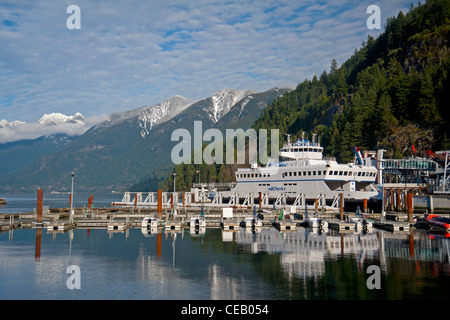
(324, 173)
(295, 173)
(335, 173)
(319, 173)
(314, 173)
(359, 174)
(309, 173)
(340, 173)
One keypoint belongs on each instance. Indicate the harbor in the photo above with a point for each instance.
(250, 261)
(176, 215)
(305, 217)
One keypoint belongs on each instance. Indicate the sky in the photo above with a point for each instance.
(129, 54)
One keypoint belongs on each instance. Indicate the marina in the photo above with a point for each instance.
(305, 230)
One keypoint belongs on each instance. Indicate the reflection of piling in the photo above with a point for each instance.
(37, 251)
(158, 245)
(40, 204)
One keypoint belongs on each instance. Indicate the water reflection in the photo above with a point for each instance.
(263, 263)
(304, 252)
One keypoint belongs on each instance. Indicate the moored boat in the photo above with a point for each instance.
(438, 222)
(251, 222)
(197, 222)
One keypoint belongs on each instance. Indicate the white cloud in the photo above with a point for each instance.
(135, 53)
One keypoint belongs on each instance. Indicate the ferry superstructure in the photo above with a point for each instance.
(302, 169)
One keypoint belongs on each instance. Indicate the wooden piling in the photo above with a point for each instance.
(90, 201)
(410, 206)
(341, 209)
(365, 205)
(40, 204)
(260, 200)
(159, 210)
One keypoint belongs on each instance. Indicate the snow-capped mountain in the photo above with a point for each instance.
(224, 100)
(58, 118)
(47, 125)
(4, 123)
(150, 116)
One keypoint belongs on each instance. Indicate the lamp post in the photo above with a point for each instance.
(174, 174)
(174, 197)
(71, 202)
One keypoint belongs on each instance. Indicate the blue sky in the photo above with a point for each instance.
(128, 54)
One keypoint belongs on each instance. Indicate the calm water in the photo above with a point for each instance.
(236, 265)
(18, 203)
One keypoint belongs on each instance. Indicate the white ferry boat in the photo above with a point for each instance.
(302, 169)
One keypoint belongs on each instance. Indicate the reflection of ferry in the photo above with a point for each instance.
(304, 252)
(303, 170)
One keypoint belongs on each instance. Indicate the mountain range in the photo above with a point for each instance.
(126, 148)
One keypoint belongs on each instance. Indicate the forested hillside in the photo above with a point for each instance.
(392, 93)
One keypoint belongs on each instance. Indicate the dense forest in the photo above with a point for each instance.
(392, 93)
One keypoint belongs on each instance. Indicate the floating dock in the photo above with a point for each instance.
(342, 225)
(59, 226)
(118, 225)
(285, 225)
(173, 225)
(392, 225)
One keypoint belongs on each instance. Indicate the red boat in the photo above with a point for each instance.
(438, 222)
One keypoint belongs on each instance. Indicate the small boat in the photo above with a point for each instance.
(251, 222)
(438, 222)
(149, 223)
(197, 222)
(314, 222)
(2, 201)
